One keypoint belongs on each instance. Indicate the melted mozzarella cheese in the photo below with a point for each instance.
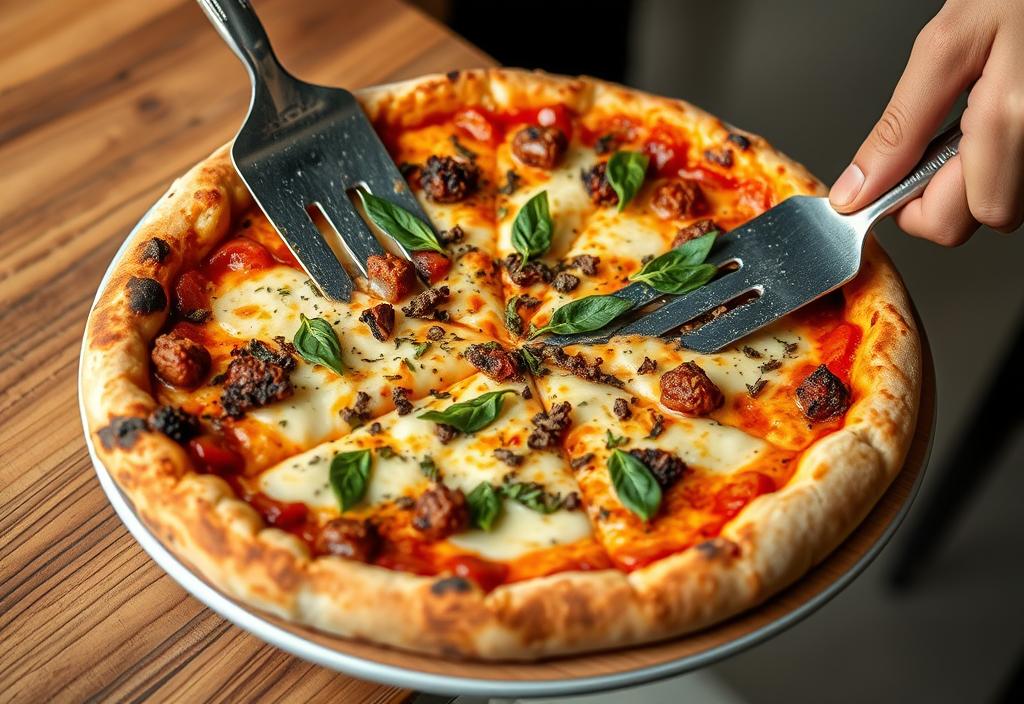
(268, 304)
(464, 463)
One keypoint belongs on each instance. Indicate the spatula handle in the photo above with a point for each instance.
(940, 150)
(241, 29)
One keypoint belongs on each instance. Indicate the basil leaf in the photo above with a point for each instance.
(428, 469)
(513, 323)
(625, 172)
(634, 484)
(470, 416)
(484, 506)
(411, 232)
(611, 441)
(695, 251)
(317, 342)
(532, 495)
(680, 270)
(348, 475)
(584, 315)
(531, 230)
(533, 362)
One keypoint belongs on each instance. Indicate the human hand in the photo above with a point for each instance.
(968, 41)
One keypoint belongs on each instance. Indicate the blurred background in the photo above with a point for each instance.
(939, 617)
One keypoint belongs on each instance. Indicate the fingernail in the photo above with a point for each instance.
(847, 186)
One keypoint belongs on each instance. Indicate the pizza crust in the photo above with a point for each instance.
(774, 540)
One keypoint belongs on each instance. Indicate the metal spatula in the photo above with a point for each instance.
(304, 145)
(788, 256)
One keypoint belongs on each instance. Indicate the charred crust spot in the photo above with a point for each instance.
(445, 179)
(666, 467)
(718, 548)
(457, 585)
(822, 396)
(595, 181)
(741, 142)
(122, 432)
(145, 295)
(550, 427)
(453, 75)
(380, 319)
(155, 250)
(177, 424)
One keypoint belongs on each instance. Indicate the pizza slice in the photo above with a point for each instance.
(655, 483)
(450, 485)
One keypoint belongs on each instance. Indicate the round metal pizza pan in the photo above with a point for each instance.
(559, 677)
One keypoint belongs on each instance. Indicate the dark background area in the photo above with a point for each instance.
(813, 77)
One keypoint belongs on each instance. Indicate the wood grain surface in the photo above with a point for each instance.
(102, 104)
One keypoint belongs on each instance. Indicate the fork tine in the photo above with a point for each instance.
(732, 326)
(353, 230)
(304, 240)
(688, 306)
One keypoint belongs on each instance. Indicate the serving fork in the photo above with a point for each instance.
(788, 256)
(304, 147)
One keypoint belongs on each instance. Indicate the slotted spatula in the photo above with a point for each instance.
(788, 256)
(305, 145)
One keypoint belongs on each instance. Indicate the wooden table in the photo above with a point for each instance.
(102, 104)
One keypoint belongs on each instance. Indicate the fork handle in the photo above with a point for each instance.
(940, 150)
(241, 29)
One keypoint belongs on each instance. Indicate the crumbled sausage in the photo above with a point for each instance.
(564, 282)
(392, 278)
(550, 427)
(445, 433)
(432, 266)
(349, 538)
(542, 147)
(380, 319)
(400, 397)
(621, 409)
(512, 180)
(581, 461)
(359, 412)
(577, 365)
(822, 395)
(595, 180)
(252, 382)
(179, 361)
(425, 305)
(666, 467)
(508, 457)
(177, 424)
(450, 237)
(688, 389)
(493, 360)
(440, 512)
(282, 356)
(721, 156)
(607, 143)
(586, 263)
(657, 424)
(648, 366)
(449, 180)
(435, 333)
(678, 198)
(527, 274)
(146, 295)
(122, 432)
(155, 250)
(692, 232)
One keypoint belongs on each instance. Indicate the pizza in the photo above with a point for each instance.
(416, 467)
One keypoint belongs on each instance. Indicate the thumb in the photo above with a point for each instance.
(935, 75)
